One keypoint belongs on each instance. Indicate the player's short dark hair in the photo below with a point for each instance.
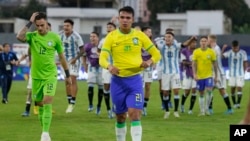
(171, 33)
(235, 43)
(145, 28)
(169, 30)
(96, 33)
(203, 37)
(41, 15)
(5, 44)
(127, 9)
(110, 23)
(69, 21)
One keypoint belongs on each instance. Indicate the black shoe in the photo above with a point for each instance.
(4, 101)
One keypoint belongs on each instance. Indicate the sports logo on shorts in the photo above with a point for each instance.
(135, 41)
(50, 43)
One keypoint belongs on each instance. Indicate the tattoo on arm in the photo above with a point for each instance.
(21, 34)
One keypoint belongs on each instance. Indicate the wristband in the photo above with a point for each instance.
(67, 73)
(28, 24)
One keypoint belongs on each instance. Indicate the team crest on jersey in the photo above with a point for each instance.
(208, 56)
(135, 41)
(50, 43)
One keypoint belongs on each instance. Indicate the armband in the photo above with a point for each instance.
(67, 73)
(28, 24)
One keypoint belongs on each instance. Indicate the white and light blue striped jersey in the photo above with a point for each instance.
(71, 44)
(219, 60)
(236, 62)
(170, 58)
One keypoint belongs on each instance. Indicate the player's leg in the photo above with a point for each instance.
(165, 88)
(193, 97)
(147, 77)
(9, 83)
(106, 76)
(26, 113)
(240, 84)
(201, 89)
(91, 83)
(232, 84)
(176, 85)
(209, 84)
(4, 89)
(100, 91)
(134, 102)
(221, 85)
(119, 107)
(186, 85)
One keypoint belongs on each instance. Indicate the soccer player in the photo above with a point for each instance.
(204, 62)
(43, 45)
(221, 83)
(188, 84)
(124, 45)
(147, 73)
(73, 50)
(92, 67)
(7, 60)
(106, 75)
(237, 61)
(171, 71)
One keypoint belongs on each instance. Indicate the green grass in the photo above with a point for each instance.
(84, 126)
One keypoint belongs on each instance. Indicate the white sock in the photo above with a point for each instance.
(136, 130)
(209, 99)
(120, 131)
(202, 104)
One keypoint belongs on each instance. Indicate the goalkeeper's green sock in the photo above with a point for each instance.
(47, 117)
(40, 115)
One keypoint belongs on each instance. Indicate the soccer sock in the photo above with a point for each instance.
(227, 101)
(183, 99)
(90, 95)
(120, 130)
(136, 130)
(47, 117)
(192, 101)
(40, 115)
(145, 102)
(176, 102)
(202, 104)
(73, 100)
(106, 98)
(165, 102)
(169, 94)
(239, 96)
(100, 95)
(27, 108)
(161, 95)
(69, 98)
(209, 99)
(233, 99)
(211, 103)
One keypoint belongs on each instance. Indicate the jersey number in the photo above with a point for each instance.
(138, 97)
(42, 50)
(169, 54)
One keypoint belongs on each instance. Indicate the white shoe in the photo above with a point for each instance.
(201, 114)
(176, 114)
(190, 112)
(70, 108)
(207, 112)
(45, 137)
(110, 114)
(166, 115)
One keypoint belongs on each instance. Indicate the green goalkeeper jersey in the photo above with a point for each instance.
(43, 49)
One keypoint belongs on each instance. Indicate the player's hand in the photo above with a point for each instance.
(146, 64)
(195, 77)
(113, 70)
(68, 81)
(72, 61)
(32, 18)
(224, 47)
(17, 63)
(13, 62)
(215, 80)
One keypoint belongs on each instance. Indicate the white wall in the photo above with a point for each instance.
(205, 19)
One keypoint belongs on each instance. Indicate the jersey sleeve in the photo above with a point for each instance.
(244, 56)
(28, 37)
(194, 57)
(226, 54)
(59, 45)
(213, 55)
(150, 48)
(183, 57)
(106, 51)
(79, 40)
(100, 44)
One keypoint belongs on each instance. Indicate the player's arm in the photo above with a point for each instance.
(215, 68)
(24, 56)
(106, 52)
(84, 63)
(223, 53)
(245, 62)
(65, 67)
(21, 35)
(194, 68)
(188, 42)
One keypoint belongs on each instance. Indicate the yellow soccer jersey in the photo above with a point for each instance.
(204, 60)
(125, 50)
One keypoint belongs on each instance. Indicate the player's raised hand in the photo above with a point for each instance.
(32, 18)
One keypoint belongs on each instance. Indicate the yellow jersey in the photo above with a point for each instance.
(204, 62)
(126, 51)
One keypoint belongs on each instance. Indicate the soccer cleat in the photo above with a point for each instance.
(110, 114)
(25, 114)
(45, 137)
(229, 112)
(70, 108)
(144, 111)
(91, 108)
(4, 101)
(53, 111)
(35, 110)
(211, 111)
(238, 106)
(166, 115)
(190, 112)
(207, 112)
(98, 111)
(182, 109)
(176, 114)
